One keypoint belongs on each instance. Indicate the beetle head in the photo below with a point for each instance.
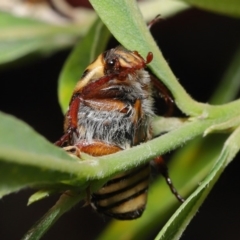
(121, 62)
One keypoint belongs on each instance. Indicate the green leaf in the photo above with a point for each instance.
(126, 23)
(84, 53)
(22, 36)
(188, 168)
(226, 7)
(179, 221)
(64, 204)
(151, 8)
(198, 151)
(39, 195)
(35, 162)
(27, 158)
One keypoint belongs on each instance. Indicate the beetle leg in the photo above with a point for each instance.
(95, 148)
(72, 115)
(71, 121)
(62, 140)
(164, 94)
(162, 167)
(94, 88)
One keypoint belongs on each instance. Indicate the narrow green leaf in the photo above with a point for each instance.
(126, 23)
(22, 36)
(178, 222)
(39, 195)
(27, 158)
(226, 7)
(195, 152)
(64, 204)
(227, 126)
(84, 53)
(186, 171)
(35, 162)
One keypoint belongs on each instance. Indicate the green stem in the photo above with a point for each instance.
(114, 163)
(64, 204)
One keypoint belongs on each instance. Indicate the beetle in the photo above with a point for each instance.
(111, 109)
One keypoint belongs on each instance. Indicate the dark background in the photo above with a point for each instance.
(198, 46)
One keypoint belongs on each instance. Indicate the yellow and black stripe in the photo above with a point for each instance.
(124, 197)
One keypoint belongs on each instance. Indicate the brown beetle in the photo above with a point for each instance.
(111, 110)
